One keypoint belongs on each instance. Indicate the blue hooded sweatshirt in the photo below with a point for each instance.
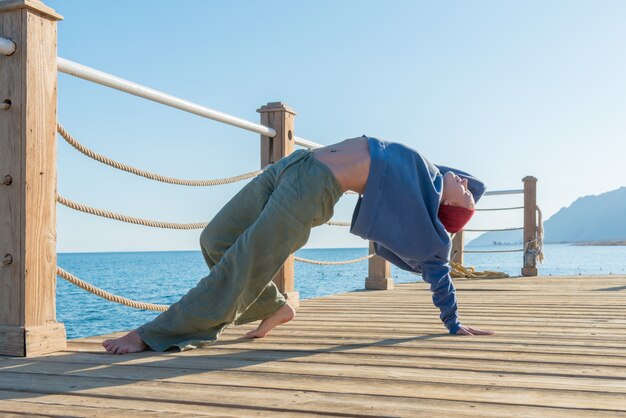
(398, 212)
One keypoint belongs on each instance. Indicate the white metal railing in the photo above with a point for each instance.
(99, 77)
(7, 47)
(108, 80)
(501, 192)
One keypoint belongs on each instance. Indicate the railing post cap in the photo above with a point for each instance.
(275, 106)
(35, 5)
(529, 178)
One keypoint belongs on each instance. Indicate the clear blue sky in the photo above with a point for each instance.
(502, 89)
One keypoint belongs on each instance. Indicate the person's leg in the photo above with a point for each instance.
(233, 284)
(224, 229)
(302, 199)
(220, 233)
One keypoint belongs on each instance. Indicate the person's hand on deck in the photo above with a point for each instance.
(473, 331)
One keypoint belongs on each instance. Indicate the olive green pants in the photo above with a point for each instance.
(245, 245)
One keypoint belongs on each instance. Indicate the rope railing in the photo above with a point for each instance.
(152, 176)
(459, 271)
(334, 263)
(107, 295)
(129, 219)
(154, 307)
(531, 250)
(537, 243)
(145, 222)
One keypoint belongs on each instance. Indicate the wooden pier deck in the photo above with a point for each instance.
(560, 350)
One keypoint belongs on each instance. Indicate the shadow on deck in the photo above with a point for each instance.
(559, 351)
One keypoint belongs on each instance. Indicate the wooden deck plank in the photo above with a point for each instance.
(79, 405)
(387, 360)
(325, 400)
(559, 351)
(201, 369)
(67, 405)
(427, 347)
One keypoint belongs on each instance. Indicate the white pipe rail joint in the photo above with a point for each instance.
(7, 46)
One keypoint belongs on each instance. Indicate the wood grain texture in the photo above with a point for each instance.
(530, 223)
(11, 152)
(378, 272)
(28, 205)
(559, 351)
(280, 117)
(457, 247)
(34, 6)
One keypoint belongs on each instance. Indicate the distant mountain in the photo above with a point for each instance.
(589, 218)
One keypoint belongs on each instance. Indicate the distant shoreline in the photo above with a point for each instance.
(599, 243)
(578, 244)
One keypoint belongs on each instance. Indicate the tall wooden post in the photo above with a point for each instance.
(28, 87)
(530, 226)
(457, 248)
(378, 272)
(280, 116)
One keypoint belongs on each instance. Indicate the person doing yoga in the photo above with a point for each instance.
(407, 207)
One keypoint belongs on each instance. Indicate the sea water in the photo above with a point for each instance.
(163, 277)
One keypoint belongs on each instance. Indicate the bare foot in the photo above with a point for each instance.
(129, 343)
(284, 314)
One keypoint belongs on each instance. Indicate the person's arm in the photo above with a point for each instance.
(435, 272)
(437, 275)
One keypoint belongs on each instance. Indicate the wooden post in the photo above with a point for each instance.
(378, 273)
(457, 248)
(280, 116)
(530, 225)
(28, 84)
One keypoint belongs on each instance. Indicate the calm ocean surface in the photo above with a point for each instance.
(163, 277)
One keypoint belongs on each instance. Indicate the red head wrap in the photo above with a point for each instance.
(454, 218)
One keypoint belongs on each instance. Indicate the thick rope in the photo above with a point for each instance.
(145, 222)
(458, 271)
(106, 295)
(539, 248)
(539, 240)
(534, 247)
(130, 219)
(154, 307)
(333, 263)
(152, 176)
